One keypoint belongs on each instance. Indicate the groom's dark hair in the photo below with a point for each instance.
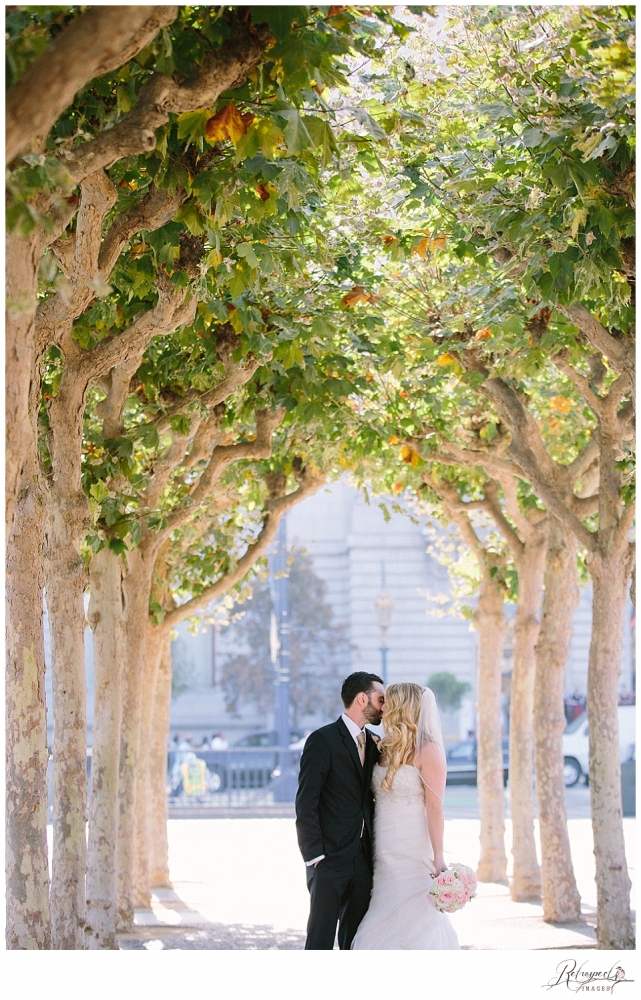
(355, 683)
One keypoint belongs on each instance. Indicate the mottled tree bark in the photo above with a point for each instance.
(526, 878)
(492, 629)
(610, 574)
(23, 257)
(561, 900)
(141, 877)
(105, 617)
(28, 923)
(96, 42)
(136, 586)
(158, 845)
(66, 580)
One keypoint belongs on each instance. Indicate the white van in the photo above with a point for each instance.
(576, 744)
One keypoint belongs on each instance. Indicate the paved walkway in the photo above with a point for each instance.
(239, 884)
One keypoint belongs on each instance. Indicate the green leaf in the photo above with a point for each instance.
(147, 435)
(181, 424)
(279, 19)
(191, 125)
(365, 119)
(189, 214)
(99, 491)
(532, 137)
(296, 135)
(246, 251)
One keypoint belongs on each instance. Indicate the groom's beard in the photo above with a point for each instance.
(373, 715)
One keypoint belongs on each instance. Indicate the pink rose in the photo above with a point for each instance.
(441, 880)
(447, 878)
(447, 896)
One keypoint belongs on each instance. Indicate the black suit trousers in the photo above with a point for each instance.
(338, 896)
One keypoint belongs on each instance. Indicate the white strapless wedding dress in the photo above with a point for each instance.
(400, 914)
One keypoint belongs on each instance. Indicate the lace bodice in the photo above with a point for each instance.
(406, 785)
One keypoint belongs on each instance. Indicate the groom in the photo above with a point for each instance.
(335, 814)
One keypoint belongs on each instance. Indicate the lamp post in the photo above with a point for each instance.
(384, 605)
(284, 787)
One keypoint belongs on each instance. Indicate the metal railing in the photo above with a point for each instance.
(239, 776)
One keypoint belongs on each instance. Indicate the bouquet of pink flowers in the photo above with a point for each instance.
(453, 888)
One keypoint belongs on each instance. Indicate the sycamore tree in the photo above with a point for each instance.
(537, 175)
(149, 132)
(515, 202)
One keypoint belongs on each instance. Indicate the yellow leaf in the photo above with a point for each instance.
(228, 124)
(420, 250)
(410, 456)
(561, 404)
(139, 250)
(580, 216)
(357, 296)
(388, 239)
(446, 359)
(213, 258)
(393, 439)
(438, 242)
(483, 334)
(398, 488)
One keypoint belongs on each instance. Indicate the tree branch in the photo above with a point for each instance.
(310, 481)
(561, 361)
(223, 456)
(222, 69)
(95, 43)
(172, 310)
(549, 480)
(619, 353)
(152, 212)
(212, 397)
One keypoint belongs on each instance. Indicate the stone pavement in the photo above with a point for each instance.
(239, 884)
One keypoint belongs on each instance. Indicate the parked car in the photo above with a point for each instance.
(576, 744)
(461, 763)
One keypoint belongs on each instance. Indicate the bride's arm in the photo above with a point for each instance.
(433, 771)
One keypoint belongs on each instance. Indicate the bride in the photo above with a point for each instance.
(408, 784)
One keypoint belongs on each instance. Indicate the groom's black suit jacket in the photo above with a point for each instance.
(335, 803)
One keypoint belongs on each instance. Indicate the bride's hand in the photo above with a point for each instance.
(439, 866)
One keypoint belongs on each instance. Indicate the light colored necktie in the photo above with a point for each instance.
(360, 740)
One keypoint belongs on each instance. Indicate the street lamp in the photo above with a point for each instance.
(384, 605)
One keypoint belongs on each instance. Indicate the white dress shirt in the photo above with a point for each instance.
(354, 731)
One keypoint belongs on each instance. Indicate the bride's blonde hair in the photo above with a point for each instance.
(400, 722)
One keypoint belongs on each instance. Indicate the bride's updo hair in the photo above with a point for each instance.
(400, 722)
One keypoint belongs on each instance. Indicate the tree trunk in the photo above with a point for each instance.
(65, 577)
(610, 574)
(23, 256)
(158, 846)
(105, 616)
(141, 879)
(28, 922)
(65, 585)
(492, 629)
(526, 879)
(136, 588)
(561, 900)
